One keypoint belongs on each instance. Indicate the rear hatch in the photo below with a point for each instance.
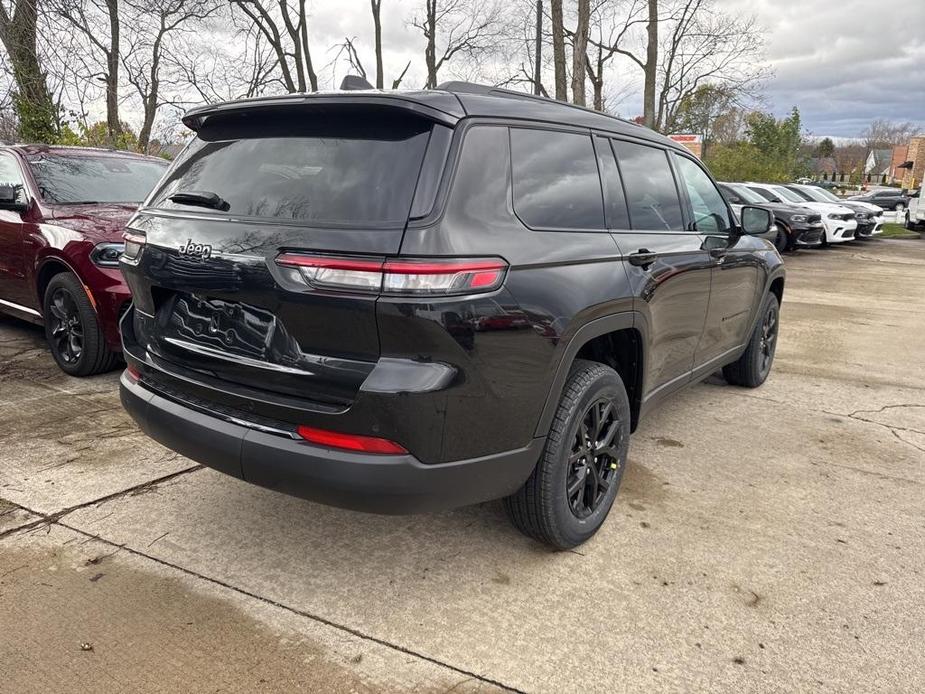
(211, 300)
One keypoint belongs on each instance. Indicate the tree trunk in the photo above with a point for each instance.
(150, 101)
(579, 56)
(651, 67)
(430, 52)
(377, 26)
(113, 124)
(558, 49)
(34, 105)
(597, 79)
(538, 55)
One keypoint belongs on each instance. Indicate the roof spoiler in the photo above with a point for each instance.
(435, 106)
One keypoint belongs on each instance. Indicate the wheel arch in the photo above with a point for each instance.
(617, 341)
(777, 288)
(49, 267)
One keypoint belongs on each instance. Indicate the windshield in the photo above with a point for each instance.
(72, 179)
(352, 171)
(766, 194)
(820, 195)
(787, 194)
(747, 194)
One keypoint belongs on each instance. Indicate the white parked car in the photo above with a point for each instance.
(840, 223)
(868, 216)
(915, 214)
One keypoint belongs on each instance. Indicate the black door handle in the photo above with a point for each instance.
(642, 258)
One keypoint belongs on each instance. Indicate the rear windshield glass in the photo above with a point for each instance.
(343, 170)
(65, 179)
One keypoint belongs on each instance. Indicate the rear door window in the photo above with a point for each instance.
(556, 183)
(651, 192)
(344, 170)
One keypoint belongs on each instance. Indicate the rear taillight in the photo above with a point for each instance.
(134, 242)
(398, 276)
(351, 442)
(133, 372)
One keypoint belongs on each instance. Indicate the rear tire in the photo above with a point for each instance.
(752, 368)
(72, 330)
(572, 488)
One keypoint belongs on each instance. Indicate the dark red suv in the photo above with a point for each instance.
(62, 212)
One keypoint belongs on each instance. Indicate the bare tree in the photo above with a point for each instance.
(98, 24)
(33, 101)
(451, 28)
(285, 29)
(153, 28)
(707, 47)
(882, 134)
(237, 63)
(347, 51)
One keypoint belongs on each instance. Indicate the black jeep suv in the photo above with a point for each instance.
(408, 301)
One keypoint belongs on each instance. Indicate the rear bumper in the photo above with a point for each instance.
(363, 482)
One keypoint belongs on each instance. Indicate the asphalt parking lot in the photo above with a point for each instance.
(768, 540)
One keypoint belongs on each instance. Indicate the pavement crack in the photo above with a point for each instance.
(302, 613)
(51, 518)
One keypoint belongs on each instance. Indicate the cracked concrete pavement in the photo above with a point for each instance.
(767, 540)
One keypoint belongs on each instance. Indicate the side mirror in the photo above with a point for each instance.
(11, 199)
(755, 220)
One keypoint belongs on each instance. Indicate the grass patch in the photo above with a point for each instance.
(897, 231)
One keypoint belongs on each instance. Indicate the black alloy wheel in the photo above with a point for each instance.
(67, 332)
(594, 459)
(753, 367)
(768, 341)
(72, 329)
(571, 490)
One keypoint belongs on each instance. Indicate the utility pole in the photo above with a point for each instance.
(538, 58)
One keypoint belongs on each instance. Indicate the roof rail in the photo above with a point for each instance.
(475, 88)
(457, 86)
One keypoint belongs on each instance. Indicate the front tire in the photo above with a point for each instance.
(72, 330)
(752, 368)
(572, 488)
(899, 207)
(782, 242)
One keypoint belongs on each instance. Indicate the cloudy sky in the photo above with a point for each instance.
(843, 63)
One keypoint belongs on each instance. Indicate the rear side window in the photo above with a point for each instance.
(344, 170)
(614, 199)
(556, 184)
(650, 188)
